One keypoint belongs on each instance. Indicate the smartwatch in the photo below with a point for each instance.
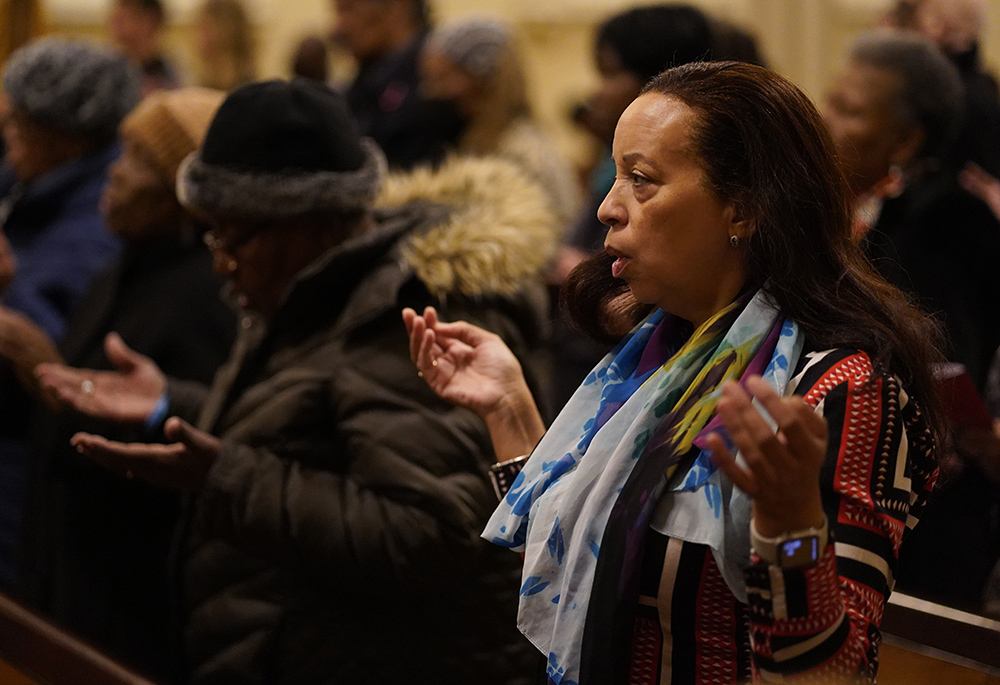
(503, 474)
(791, 550)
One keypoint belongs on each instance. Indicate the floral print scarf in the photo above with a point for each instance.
(580, 508)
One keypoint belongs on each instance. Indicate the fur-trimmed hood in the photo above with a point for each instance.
(500, 230)
(474, 229)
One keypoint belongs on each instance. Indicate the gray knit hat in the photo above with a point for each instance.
(475, 44)
(71, 86)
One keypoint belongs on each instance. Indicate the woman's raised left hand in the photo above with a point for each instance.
(782, 465)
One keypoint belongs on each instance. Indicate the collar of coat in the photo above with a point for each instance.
(500, 229)
(475, 227)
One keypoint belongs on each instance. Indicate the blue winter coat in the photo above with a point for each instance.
(57, 233)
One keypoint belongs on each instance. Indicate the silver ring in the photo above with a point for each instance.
(87, 387)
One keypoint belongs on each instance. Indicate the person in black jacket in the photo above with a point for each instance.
(956, 27)
(337, 503)
(386, 38)
(95, 543)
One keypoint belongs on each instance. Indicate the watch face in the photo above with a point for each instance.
(798, 552)
(505, 473)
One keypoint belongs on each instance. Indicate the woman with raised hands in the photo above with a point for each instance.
(768, 395)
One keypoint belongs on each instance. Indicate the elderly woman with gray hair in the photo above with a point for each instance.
(894, 111)
(956, 27)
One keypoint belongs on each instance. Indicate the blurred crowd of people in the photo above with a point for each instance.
(298, 506)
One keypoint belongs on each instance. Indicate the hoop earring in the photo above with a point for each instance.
(734, 240)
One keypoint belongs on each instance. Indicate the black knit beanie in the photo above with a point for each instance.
(282, 149)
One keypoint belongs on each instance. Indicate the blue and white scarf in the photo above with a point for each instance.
(559, 507)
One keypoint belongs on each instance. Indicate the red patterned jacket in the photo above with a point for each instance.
(821, 621)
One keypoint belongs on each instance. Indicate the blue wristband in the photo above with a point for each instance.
(158, 414)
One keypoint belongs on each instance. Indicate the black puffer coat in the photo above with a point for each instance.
(337, 537)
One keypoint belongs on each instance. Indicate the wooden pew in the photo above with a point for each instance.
(930, 644)
(924, 644)
(33, 650)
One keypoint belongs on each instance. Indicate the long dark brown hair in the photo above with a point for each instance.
(766, 152)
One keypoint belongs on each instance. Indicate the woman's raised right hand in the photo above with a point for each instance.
(475, 369)
(464, 364)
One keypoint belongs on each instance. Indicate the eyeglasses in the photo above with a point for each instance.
(217, 244)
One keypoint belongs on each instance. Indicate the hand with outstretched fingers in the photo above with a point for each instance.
(127, 395)
(181, 465)
(464, 364)
(473, 368)
(782, 465)
(983, 185)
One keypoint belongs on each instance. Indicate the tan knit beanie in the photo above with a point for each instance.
(171, 124)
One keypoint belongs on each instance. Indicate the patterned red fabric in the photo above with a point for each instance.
(716, 619)
(819, 623)
(646, 648)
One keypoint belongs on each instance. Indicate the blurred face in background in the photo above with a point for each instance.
(33, 149)
(136, 31)
(209, 38)
(862, 113)
(441, 79)
(902, 14)
(618, 88)
(137, 203)
(369, 29)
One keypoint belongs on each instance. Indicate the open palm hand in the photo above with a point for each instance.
(127, 394)
(462, 363)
